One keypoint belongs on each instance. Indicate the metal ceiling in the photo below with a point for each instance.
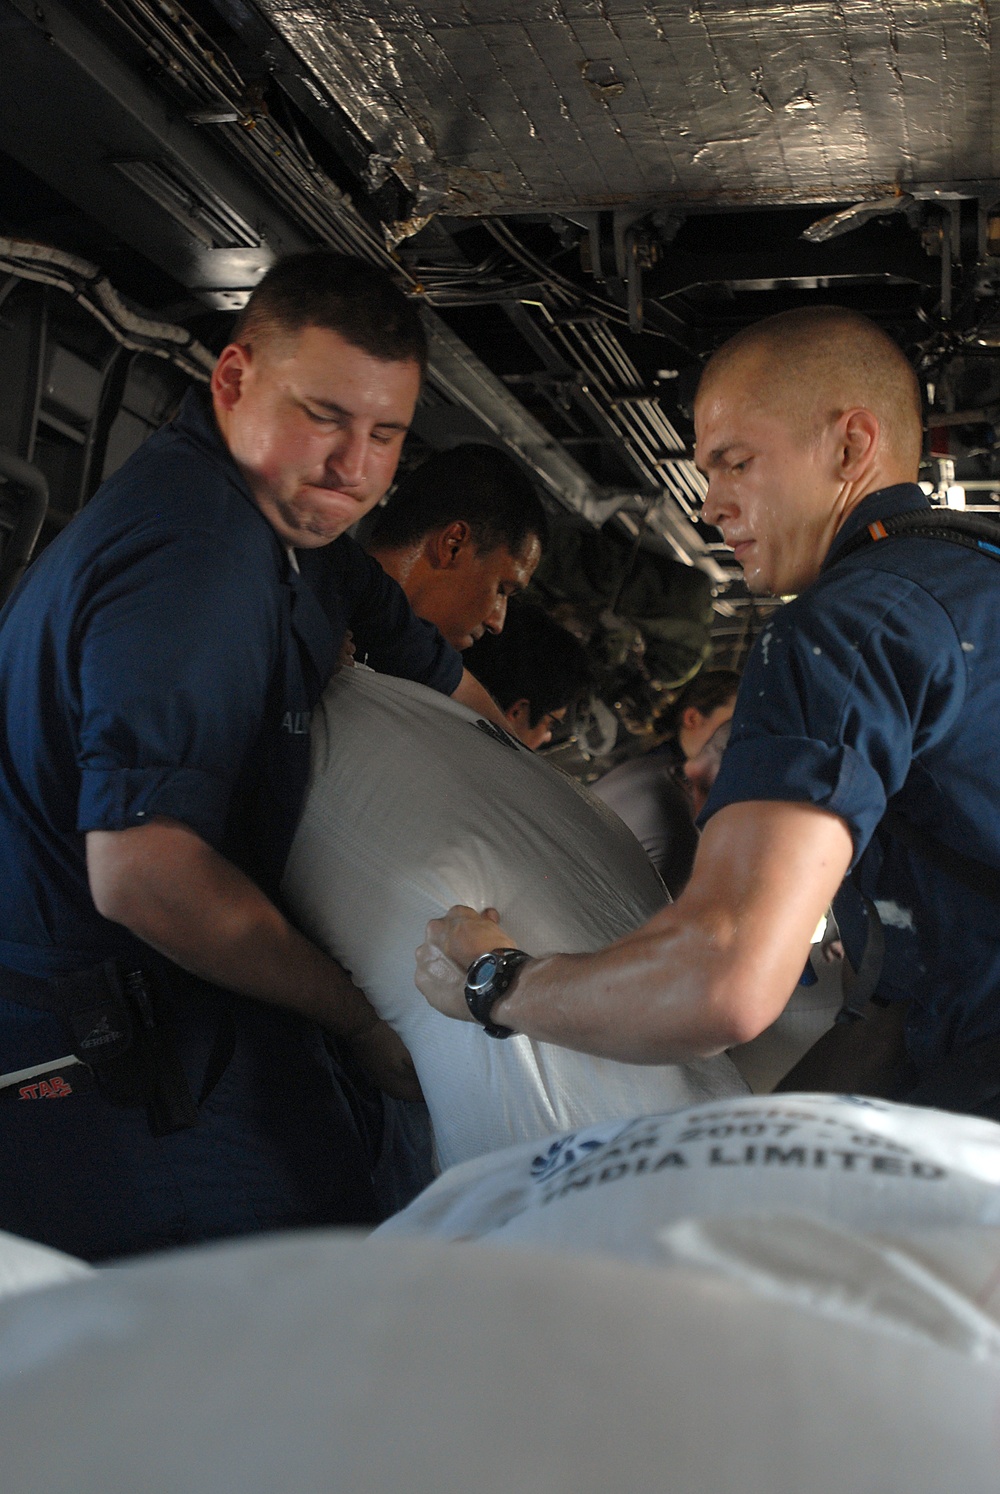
(587, 195)
(183, 189)
(484, 106)
(628, 118)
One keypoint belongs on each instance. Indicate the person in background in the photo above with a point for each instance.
(698, 708)
(652, 794)
(534, 670)
(701, 771)
(462, 534)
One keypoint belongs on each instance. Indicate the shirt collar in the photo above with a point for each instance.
(901, 498)
(195, 419)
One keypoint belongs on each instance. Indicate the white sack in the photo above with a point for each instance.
(864, 1165)
(25, 1266)
(414, 807)
(317, 1362)
(879, 1214)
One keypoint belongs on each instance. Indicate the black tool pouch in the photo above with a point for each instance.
(113, 1017)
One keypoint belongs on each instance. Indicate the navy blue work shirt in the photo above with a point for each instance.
(162, 657)
(878, 686)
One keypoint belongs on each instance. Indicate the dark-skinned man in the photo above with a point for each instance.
(462, 535)
(877, 688)
(158, 666)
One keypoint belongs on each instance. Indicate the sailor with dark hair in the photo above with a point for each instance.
(696, 710)
(158, 666)
(534, 670)
(462, 534)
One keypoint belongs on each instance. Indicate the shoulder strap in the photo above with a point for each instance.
(973, 531)
(859, 984)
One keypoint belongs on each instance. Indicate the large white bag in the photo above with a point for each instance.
(319, 1362)
(25, 1266)
(413, 807)
(867, 1212)
(611, 1189)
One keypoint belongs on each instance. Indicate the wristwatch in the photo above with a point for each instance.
(488, 979)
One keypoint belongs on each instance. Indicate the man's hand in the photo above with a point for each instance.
(451, 945)
(704, 974)
(345, 659)
(382, 1055)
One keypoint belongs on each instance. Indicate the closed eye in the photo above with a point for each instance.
(320, 418)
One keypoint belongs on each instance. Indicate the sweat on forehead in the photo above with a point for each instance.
(815, 362)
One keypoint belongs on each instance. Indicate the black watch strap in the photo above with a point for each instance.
(488, 978)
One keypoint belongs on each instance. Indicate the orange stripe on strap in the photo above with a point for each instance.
(878, 530)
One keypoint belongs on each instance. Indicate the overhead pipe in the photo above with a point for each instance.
(34, 491)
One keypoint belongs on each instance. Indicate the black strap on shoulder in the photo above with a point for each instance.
(860, 983)
(973, 531)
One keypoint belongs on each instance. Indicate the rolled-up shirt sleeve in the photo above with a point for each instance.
(843, 688)
(175, 655)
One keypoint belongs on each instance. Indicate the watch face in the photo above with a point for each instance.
(485, 970)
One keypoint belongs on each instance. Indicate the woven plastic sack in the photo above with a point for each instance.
(26, 1266)
(861, 1165)
(315, 1361)
(416, 805)
(878, 1215)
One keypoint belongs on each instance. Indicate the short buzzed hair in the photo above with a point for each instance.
(358, 301)
(820, 358)
(477, 484)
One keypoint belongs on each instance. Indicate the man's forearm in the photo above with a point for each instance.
(170, 889)
(668, 993)
(709, 972)
(673, 991)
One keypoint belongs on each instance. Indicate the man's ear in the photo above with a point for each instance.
(860, 438)
(228, 376)
(691, 717)
(445, 545)
(519, 714)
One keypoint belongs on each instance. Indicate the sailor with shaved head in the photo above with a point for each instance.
(864, 742)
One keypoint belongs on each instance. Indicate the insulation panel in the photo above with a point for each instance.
(483, 106)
